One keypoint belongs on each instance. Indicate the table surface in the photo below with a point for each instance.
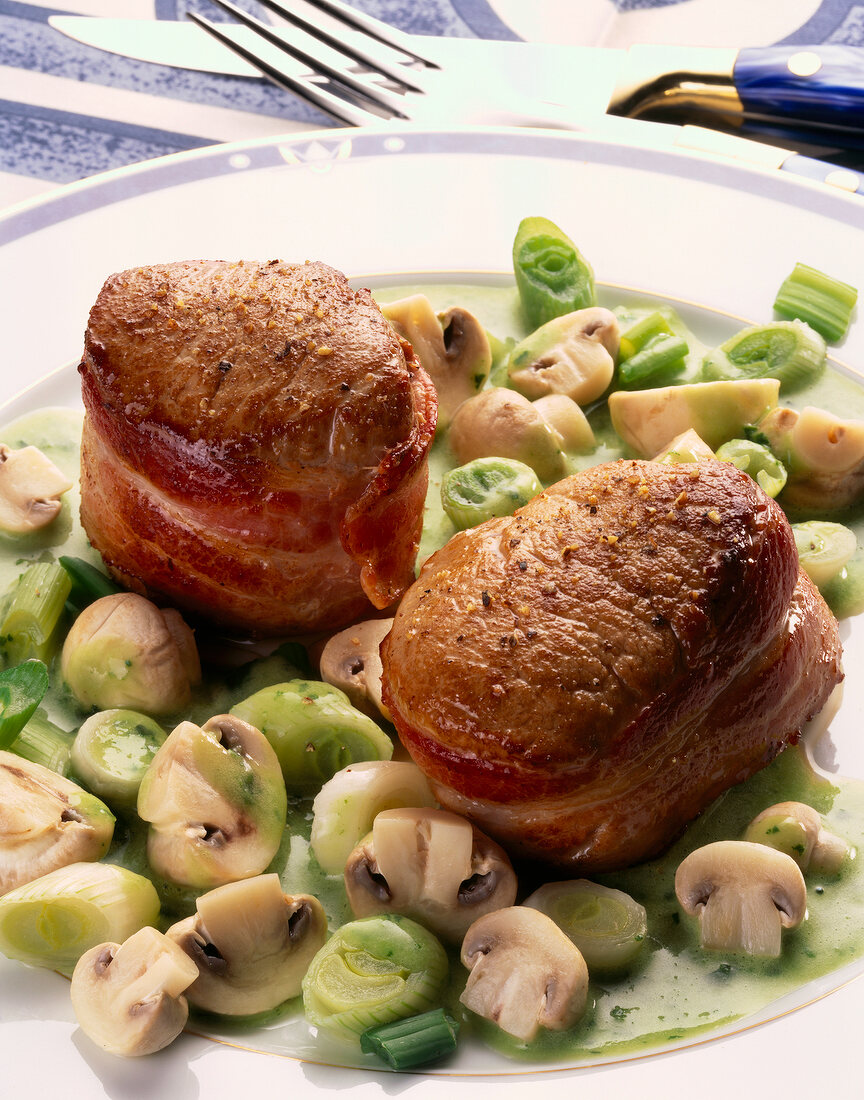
(68, 111)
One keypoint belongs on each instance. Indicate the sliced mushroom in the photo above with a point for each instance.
(743, 894)
(30, 490)
(215, 800)
(568, 422)
(129, 997)
(252, 945)
(452, 346)
(797, 829)
(350, 661)
(430, 865)
(573, 355)
(689, 446)
(502, 423)
(525, 972)
(123, 651)
(46, 822)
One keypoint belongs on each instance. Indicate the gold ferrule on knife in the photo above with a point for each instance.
(678, 84)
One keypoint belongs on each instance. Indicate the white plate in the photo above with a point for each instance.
(371, 203)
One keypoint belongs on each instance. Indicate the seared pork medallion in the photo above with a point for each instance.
(582, 678)
(255, 443)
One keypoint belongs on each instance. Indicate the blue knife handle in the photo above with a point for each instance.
(831, 96)
(844, 179)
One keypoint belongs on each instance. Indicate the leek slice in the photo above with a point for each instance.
(552, 276)
(608, 926)
(54, 919)
(823, 549)
(485, 488)
(789, 351)
(758, 461)
(32, 618)
(112, 752)
(821, 301)
(43, 743)
(371, 972)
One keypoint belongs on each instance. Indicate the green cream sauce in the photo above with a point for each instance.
(676, 991)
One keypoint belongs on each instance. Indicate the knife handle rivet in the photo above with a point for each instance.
(844, 179)
(804, 63)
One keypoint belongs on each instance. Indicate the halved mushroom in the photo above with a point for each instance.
(123, 651)
(743, 894)
(30, 490)
(215, 799)
(430, 865)
(689, 446)
(797, 829)
(452, 346)
(574, 434)
(573, 355)
(46, 822)
(525, 972)
(350, 661)
(823, 454)
(129, 997)
(252, 945)
(502, 423)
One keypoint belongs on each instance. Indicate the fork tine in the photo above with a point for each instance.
(335, 106)
(396, 73)
(374, 95)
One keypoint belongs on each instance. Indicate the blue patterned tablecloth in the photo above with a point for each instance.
(68, 111)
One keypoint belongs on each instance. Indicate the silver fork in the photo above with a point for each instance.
(364, 72)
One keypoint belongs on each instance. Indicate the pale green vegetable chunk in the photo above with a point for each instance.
(823, 548)
(314, 730)
(54, 919)
(373, 971)
(112, 752)
(486, 488)
(789, 351)
(608, 926)
(765, 468)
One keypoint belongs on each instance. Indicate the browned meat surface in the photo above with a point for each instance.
(255, 443)
(583, 678)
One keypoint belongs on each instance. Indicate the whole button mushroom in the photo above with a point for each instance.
(430, 865)
(525, 972)
(797, 829)
(129, 997)
(30, 490)
(252, 945)
(572, 355)
(743, 894)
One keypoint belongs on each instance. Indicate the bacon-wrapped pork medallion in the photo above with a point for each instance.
(255, 443)
(583, 678)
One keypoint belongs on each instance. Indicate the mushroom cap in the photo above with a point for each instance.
(797, 829)
(252, 945)
(30, 489)
(525, 972)
(46, 822)
(216, 803)
(351, 662)
(430, 865)
(572, 355)
(128, 997)
(744, 894)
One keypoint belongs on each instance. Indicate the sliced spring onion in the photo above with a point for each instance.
(54, 919)
(552, 276)
(416, 1041)
(111, 753)
(656, 363)
(88, 583)
(823, 548)
(789, 351)
(314, 730)
(21, 692)
(41, 742)
(487, 487)
(758, 461)
(638, 335)
(33, 615)
(608, 926)
(371, 972)
(821, 301)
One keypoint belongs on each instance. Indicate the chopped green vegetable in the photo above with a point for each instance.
(639, 334)
(112, 752)
(32, 617)
(371, 972)
(756, 460)
(823, 548)
(314, 730)
(485, 488)
(88, 583)
(655, 363)
(41, 742)
(821, 301)
(21, 692)
(552, 276)
(415, 1041)
(789, 351)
